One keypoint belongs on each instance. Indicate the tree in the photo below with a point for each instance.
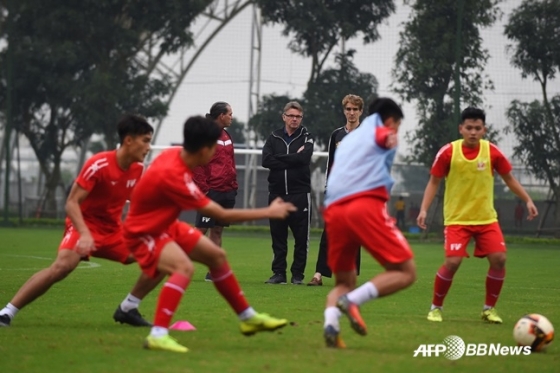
(76, 69)
(425, 64)
(322, 101)
(537, 148)
(535, 50)
(317, 26)
(237, 131)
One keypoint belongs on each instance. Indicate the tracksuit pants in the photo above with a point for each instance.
(299, 223)
(322, 265)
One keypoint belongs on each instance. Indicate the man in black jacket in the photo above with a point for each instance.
(287, 153)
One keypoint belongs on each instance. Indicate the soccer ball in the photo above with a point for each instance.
(533, 330)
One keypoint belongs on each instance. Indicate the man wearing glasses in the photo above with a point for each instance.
(353, 107)
(287, 153)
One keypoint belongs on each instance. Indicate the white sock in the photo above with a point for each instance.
(364, 293)
(433, 307)
(158, 331)
(486, 307)
(10, 310)
(332, 316)
(247, 314)
(130, 302)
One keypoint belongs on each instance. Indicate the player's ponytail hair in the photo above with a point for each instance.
(218, 109)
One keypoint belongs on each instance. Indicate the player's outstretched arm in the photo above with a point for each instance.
(278, 209)
(429, 194)
(76, 196)
(519, 191)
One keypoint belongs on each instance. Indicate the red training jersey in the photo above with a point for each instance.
(109, 187)
(498, 161)
(166, 189)
(220, 173)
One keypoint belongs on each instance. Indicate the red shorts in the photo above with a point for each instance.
(147, 249)
(108, 246)
(363, 221)
(488, 239)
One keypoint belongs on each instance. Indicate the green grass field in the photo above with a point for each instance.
(70, 329)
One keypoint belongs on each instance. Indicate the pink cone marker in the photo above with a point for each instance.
(183, 326)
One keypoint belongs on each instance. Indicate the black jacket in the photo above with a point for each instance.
(289, 170)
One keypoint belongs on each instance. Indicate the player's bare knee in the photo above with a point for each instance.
(453, 263)
(497, 261)
(59, 270)
(410, 276)
(188, 272)
(345, 280)
(409, 271)
(186, 268)
(218, 258)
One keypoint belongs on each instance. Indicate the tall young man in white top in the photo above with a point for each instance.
(353, 108)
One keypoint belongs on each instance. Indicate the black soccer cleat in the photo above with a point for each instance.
(5, 320)
(131, 317)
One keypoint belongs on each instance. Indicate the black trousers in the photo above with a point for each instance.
(322, 267)
(299, 223)
(400, 220)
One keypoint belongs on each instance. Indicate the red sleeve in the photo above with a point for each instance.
(500, 163)
(183, 191)
(91, 172)
(381, 134)
(442, 162)
(200, 178)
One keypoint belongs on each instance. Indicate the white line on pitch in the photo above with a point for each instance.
(86, 264)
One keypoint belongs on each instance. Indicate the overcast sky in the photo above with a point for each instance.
(221, 73)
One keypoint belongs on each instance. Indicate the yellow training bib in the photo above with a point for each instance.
(469, 188)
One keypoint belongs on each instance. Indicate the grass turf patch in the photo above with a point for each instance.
(70, 329)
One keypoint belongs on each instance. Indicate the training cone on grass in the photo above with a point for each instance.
(183, 326)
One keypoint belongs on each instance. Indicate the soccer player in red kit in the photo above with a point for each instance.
(358, 189)
(93, 225)
(163, 244)
(468, 167)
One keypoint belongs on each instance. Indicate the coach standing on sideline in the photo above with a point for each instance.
(218, 179)
(287, 153)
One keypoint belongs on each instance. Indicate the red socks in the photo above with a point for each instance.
(173, 290)
(444, 278)
(494, 282)
(169, 298)
(225, 282)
